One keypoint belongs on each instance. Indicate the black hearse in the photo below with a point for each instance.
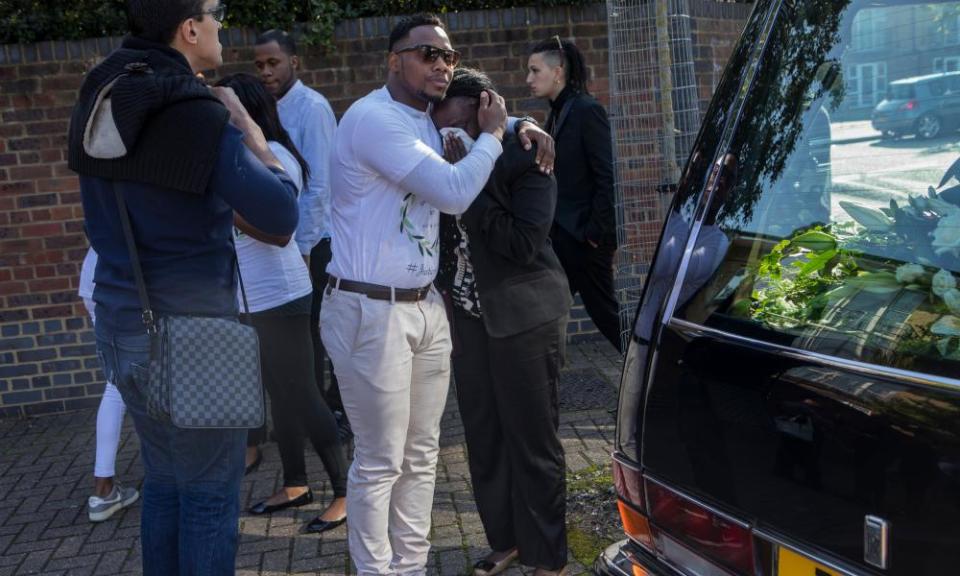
(790, 400)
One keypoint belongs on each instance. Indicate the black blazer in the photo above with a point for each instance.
(520, 282)
(584, 167)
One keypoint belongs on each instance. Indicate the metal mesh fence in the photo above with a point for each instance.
(654, 116)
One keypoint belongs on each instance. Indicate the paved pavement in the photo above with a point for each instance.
(855, 131)
(46, 469)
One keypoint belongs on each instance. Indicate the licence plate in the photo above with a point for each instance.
(789, 563)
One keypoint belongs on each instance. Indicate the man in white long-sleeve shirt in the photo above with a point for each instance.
(307, 116)
(382, 323)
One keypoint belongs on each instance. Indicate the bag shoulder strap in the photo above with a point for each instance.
(148, 317)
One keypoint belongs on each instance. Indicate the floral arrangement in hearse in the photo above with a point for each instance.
(885, 279)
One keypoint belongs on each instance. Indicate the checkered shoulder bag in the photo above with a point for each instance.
(204, 371)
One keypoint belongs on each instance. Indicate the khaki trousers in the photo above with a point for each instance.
(393, 364)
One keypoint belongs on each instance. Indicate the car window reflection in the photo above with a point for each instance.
(840, 232)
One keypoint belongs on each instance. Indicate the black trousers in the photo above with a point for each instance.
(590, 272)
(319, 258)
(507, 393)
(286, 361)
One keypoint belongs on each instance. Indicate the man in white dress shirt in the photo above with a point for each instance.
(383, 324)
(307, 116)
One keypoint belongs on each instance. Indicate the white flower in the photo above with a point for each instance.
(946, 326)
(952, 299)
(946, 237)
(909, 273)
(942, 207)
(943, 281)
(870, 218)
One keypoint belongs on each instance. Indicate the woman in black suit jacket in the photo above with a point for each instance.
(585, 224)
(509, 301)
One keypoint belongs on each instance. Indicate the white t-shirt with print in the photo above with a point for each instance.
(389, 183)
(272, 276)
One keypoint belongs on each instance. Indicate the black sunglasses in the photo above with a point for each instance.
(430, 54)
(218, 13)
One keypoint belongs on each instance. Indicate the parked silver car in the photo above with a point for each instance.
(926, 106)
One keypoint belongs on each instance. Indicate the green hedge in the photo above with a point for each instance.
(35, 20)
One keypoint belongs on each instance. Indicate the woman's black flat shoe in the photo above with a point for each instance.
(319, 525)
(264, 508)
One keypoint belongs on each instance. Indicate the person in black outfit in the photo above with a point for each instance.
(510, 302)
(585, 225)
(272, 268)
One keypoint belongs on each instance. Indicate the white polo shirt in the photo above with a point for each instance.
(389, 183)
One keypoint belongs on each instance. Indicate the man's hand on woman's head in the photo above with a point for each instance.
(492, 114)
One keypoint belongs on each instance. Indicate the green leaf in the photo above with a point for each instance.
(815, 240)
(875, 282)
(817, 262)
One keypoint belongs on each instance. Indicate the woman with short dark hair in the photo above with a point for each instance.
(585, 225)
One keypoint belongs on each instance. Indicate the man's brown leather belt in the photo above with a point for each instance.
(378, 292)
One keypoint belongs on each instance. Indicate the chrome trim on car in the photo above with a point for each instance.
(876, 535)
(909, 376)
(780, 542)
(618, 559)
(624, 461)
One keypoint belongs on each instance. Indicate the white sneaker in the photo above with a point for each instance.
(99, 509)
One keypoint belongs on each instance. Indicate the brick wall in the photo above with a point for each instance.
(715, 28)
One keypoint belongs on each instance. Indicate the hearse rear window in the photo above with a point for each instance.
(836, 227)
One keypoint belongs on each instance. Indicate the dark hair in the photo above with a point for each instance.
(262, 108)
(157, 20)
(405, 25)
(469, 83)
(570, 57)
(284, 40)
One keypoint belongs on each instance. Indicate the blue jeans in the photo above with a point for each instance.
(191, 487)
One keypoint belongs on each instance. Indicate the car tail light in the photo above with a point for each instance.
(704, 531)
(629, 483)
(908, 105)
(635, 525)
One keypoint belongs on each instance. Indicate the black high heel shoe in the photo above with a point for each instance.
(264, 508)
